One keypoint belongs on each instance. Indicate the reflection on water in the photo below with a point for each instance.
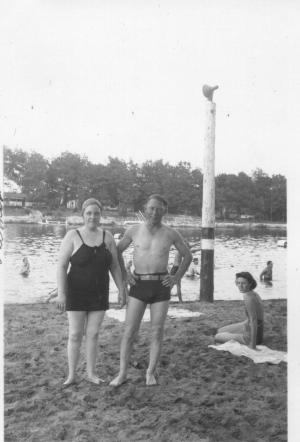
(235, 251)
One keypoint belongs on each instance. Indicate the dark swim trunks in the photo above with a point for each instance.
(174, 270)
(150, 291)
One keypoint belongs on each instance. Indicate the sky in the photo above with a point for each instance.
(124, 79)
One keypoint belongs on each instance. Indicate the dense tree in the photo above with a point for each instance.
(278, 207)
(234, 193)
(96, 184)
(15, 164)
(67, 178)
(127, 185)
(262, 193)
(34, 182)
(120, 184)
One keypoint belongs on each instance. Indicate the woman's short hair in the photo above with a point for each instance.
(248, 277)
(157, 197)
(90, 202)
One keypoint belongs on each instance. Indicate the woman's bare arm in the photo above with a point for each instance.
(65, 253)
(115, 269)
(123, 245)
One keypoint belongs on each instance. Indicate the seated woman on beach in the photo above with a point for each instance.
(83, 291)
(249, 332)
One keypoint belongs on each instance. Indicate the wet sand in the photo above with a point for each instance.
(203, 394)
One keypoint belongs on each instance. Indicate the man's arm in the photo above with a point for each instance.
(185, 262)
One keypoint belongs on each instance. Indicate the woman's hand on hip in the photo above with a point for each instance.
(130, 279)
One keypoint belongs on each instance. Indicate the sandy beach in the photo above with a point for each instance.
(203, 394)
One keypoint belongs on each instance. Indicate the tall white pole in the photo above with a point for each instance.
(208, 201)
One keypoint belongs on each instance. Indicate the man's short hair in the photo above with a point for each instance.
(269, 262)
(157, 197)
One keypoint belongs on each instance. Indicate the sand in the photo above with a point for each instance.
(203, 394)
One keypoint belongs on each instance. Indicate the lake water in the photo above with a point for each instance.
(235, 251)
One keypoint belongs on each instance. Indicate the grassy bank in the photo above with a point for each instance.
(203, 394)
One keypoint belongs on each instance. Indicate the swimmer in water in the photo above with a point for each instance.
(25, 268)
(193, 270)
(267, 273)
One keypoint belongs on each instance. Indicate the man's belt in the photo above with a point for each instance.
(149, 276)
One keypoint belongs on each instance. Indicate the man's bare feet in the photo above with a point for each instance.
(150, 379)
(94, 379)
(70, 380)
(119, 380)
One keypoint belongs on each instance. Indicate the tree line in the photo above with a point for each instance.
(126, 185)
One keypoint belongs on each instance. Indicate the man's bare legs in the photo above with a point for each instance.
(158, 312)
(93, 323)
(134, 315)
(76, 328)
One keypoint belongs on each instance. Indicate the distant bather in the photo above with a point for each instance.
(25, 268)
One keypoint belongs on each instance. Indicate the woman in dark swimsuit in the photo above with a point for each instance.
(84, 290)
(249, 332)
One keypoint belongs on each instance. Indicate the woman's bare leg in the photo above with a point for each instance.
(225, 337)
(76, 328)
(233, 328)
(94, 321)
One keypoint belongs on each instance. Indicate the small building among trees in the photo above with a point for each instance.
(72, 204)
(14, 199)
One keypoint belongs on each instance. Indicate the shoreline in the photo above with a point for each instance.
(117, 223)
(203, 394)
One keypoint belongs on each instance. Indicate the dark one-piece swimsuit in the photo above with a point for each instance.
(88, 278)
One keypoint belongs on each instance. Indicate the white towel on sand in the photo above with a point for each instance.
(259, 356)
(119, 314)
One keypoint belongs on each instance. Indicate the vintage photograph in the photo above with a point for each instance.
(144, 230)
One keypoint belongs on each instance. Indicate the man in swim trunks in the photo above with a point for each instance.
(150, 282)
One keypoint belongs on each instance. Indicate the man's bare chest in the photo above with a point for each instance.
(157, 243)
